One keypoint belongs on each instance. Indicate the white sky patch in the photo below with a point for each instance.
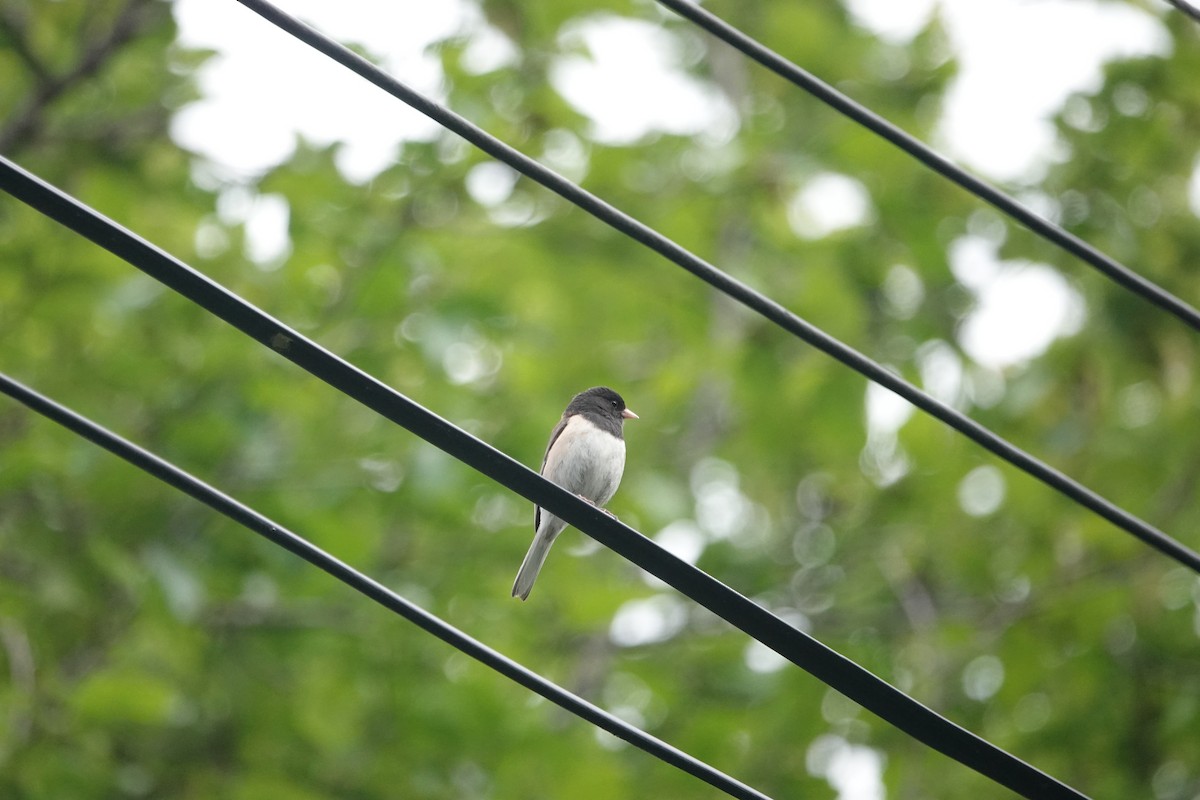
(981, 492)
(566, 154)
(1020, 307)
(983, 677)
(886, 411)
(267, 240)
(488, 51)
(1139, 404)
(265, 218)
(904, 291)
(828, 202)
(721, 509)
(264, 88)
(642, 622)
(941, 371)
(682, 539)
(631, 83)
(471, 360)
(897, 21)
(762, 659)
(490, 183)
(882, 460)
(997, 108)
(1194, 190)
(854, 771)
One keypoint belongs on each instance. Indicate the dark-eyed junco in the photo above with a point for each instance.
(586, 455)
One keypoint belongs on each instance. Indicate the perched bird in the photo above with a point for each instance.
(586, 455)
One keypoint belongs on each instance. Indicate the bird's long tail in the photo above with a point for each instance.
(532, 564)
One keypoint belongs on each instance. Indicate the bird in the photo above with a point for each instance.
(586, 455)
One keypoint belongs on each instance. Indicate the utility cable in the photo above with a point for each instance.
(1187, 8)
(247, 517)
(751, 298)
(824, 663)
(788, 70)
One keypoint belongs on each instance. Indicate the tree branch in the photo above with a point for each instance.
(29, 118)
(14, 30)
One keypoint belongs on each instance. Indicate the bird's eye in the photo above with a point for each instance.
(613, 403)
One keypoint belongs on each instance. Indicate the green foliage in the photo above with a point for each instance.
(150, 648)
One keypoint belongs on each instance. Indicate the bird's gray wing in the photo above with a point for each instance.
(554, 434)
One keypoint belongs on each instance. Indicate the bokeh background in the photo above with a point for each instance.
(149, 648)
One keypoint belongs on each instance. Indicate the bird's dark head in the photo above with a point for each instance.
(600, 400)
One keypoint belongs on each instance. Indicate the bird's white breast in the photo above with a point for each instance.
(586, 460)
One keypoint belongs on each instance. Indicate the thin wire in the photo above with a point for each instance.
(244, 515)
(1187, 8)
(824, 663)
(730, 286)
(788, 70)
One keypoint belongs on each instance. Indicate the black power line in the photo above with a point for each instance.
(824, 663)
(244, 515)
(1187, 8)
(788, 70)
(730, 286)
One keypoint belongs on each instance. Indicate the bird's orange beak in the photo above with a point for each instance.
(627, 414)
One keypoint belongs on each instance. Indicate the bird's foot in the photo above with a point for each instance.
(592, 503)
